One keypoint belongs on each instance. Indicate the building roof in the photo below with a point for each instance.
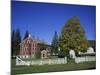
(33, 39)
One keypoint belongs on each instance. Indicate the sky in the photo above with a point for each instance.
(43, 19)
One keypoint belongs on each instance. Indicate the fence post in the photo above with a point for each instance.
(49, 61)
(65, 59)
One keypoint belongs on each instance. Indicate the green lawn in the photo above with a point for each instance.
(70, 66)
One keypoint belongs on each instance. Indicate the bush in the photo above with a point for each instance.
(61, 54)
(38, 55)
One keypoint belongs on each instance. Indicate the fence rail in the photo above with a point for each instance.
(85, 58)
(19, 61)
(41, 61)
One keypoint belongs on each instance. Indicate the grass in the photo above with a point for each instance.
(70, 66)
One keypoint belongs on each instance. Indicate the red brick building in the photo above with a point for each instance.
(29, 47)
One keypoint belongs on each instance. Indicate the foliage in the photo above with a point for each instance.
(55, 43)
(92, 43)
(61, 54)
(73, 36)
(38, 55)
(16, 43)
(26, 35)
(12, 42)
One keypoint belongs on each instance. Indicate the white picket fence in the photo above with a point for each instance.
(41, 61)
(84, 59)
(19, 61)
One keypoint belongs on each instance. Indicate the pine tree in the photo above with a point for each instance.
(54, 44)
(73, 36)
(17, 42)
(26, 35)
(12, 42)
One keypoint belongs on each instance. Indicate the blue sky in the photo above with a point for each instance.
(42, 19)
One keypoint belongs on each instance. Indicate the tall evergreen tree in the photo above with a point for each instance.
(73, 36)
(54, 44)
(26, 35)
(12, 42)
(17, 42)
